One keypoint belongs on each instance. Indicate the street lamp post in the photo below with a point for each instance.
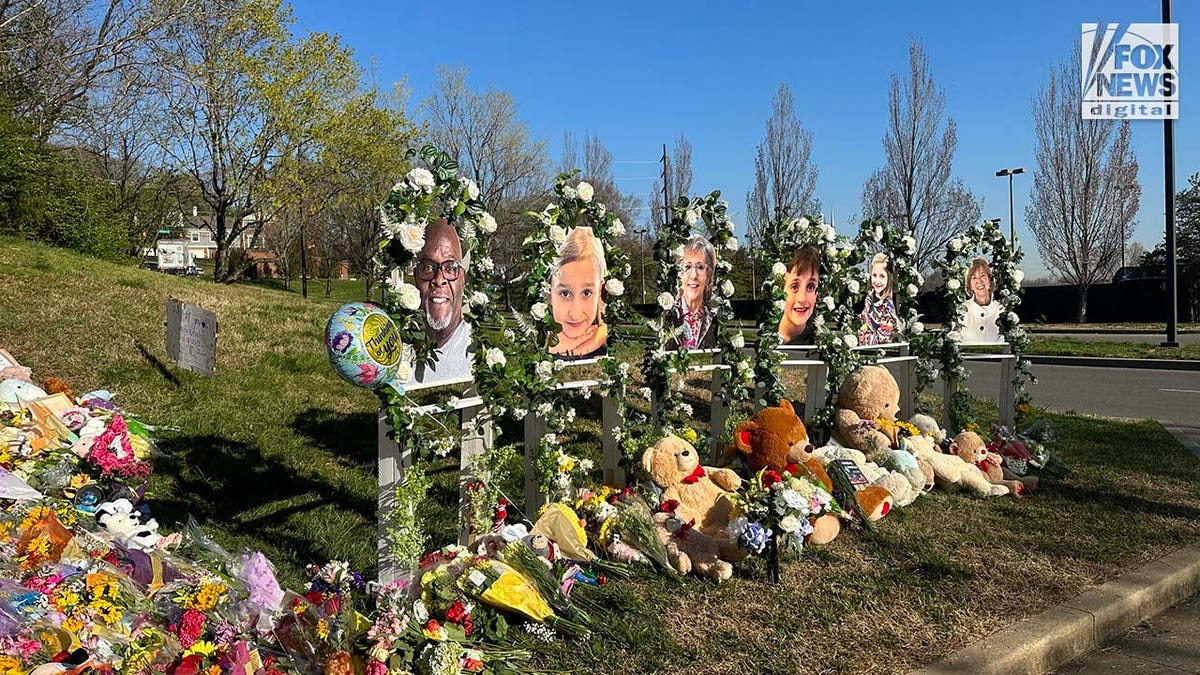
(1012, 223)
(641, 232)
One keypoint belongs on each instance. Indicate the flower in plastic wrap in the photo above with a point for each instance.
(502, 587)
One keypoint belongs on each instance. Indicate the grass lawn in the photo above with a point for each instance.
(1066, 346)
(276, 453)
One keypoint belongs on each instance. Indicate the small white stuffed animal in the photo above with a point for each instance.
(120, 520)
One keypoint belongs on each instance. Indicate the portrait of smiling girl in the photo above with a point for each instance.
(879, 307)
(575, 302)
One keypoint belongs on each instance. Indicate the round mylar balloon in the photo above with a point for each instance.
(363, 345)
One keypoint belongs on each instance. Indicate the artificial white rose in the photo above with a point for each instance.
(912, 290)
(666, 300)
(954, 336)
(779, 304)
(831, 251)
(400, 186)
(789, 524)
(828, 232)
(420, 178)
(877, 233)
(645, 393)
(585, 191)
(558, 235)
(918, 328)
(617, 228)
(953, 284)
(614, 287)
(544, 409)
(851, 340)
(818, 321)
(852, 286)
(404, 372)
(486, 264)
(408, 296)
(956, 245)
(495, 357)
(569, 192)
(627, 270)
(1004, 293)
(910, 244)
(544, 370)
(538, 310)
(509, 335)
(827, 301)
(778, 269)
(1018, 277)
(479, 298)
(803, 222)
(412, 236)
(1013, 318)
(727, 288)
(472, 188)
(737, 341)
(678, 252)
(487, 223)
(731, 244)
(601, 210)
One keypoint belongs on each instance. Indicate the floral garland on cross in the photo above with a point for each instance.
(431, 190)
(541, 374)
(900, 246)
(835, 317)
(671, 413)
(1006, 283)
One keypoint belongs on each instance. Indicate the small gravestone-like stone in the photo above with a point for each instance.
(192, 337)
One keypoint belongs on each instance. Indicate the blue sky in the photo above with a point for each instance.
(639, 73)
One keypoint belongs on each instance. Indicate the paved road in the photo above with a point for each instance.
(1143, 338)
(1170, 396)
(1168, 643)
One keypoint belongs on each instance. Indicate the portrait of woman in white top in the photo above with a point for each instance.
(981, 311)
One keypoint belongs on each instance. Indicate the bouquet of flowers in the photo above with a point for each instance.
(779, 508)
(1028, 452)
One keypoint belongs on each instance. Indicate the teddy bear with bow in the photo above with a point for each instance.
(701, 497)
(867, 405)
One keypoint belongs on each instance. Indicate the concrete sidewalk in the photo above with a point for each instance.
(1167, 643)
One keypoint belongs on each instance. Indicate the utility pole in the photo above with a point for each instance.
(1169, 180)
(666, 199)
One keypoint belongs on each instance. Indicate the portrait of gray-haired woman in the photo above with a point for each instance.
(691, 319)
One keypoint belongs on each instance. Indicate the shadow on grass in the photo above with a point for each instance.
(350, 438)
(157, 364)
(226, 481)
(1126, 502)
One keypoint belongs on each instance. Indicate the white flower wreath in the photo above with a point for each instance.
(835, 316)
(1006, 280)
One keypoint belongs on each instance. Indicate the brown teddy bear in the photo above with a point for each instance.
(971, 449)
(866, 421)
(689, 550)
(701, 496)
(775, 438)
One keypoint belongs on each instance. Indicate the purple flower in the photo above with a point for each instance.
(341, 342)
(754, 538)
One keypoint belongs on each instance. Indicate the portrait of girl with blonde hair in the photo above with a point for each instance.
(879, 307)
(575, 296)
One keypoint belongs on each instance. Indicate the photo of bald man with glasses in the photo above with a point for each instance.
(440, 277)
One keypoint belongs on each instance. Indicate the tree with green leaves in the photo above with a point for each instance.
(241, 94)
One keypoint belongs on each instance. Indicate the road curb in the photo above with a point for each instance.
(1108, 331)
(1111, 362)
(1063, 633)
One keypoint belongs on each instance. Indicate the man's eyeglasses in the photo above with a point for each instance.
(426, 270)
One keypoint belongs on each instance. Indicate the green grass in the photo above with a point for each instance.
(276, 453)
(1066, 346)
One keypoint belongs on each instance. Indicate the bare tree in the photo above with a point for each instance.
(1085, 189)
(482, 131)
(55, 53)
(595, 166)
(679, 180)
(784, 178)
(914, 190)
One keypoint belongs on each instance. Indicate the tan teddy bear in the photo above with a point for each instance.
(951, 472)
(703, 496)
(689, 550)
(971, 449)
(866, 421)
